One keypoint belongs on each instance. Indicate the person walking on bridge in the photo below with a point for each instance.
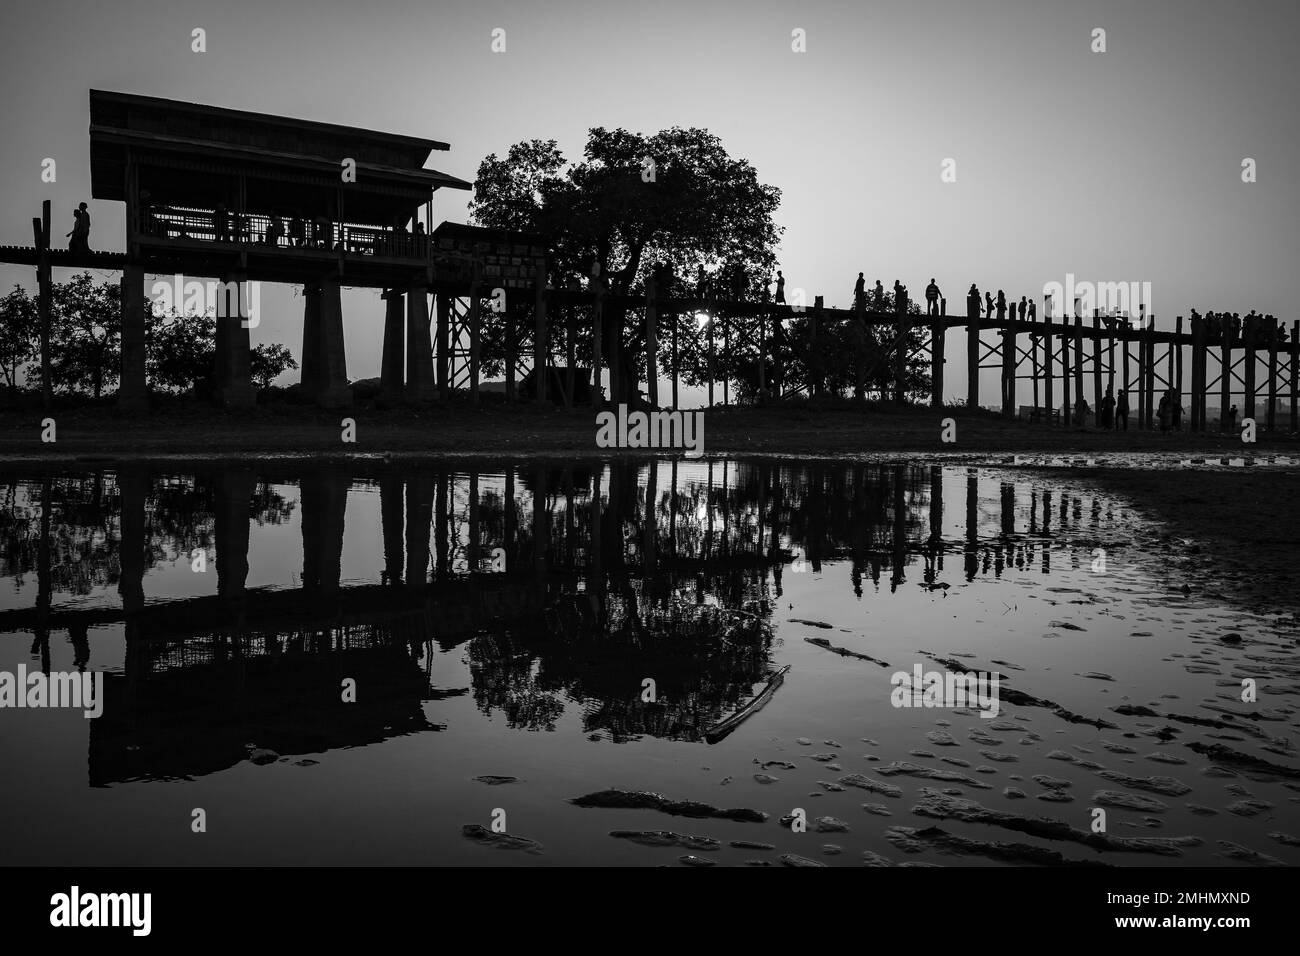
(780, 288)
(1002, 305)
(988, 305)
(932, 298)
(859, 292)
(80, 235)
(973, 302)
(1121, 410)
(879, 304)
(1024, 305)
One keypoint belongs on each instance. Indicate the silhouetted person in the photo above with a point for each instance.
(1232, 418)
(79, 237)
(988, 305)
(1106, 416)
(859, 291)
(297, 230)
(1002, 305)
(880, 296)
(274, 231)
(1121, 410)
(780, 288)
(973, 302)
(1033, 311)
(1081, 413)
(932, 298)
(1162, 412)
(221, 220)
(1024, 305)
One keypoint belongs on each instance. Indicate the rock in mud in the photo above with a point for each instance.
(872, 858)
(666, 838)
(688, 860)
(905, 768)
(794, 859)
(493, 780)
(1055, 796)
(936, 805)
(1050, 782)
(866, 783)
(750, 845)
(262, 756)
(821, 624)
(646, 800)
(1247, 762)
(999, 757)
(941, 738)
(1014, 793)
(1235, 851)
(878, 809)
(1165, 786)
(830, 825)
(911, 840)
(1129, 801)
(502, 841)
(765, 778)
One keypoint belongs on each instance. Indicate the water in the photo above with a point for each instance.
(497, 621)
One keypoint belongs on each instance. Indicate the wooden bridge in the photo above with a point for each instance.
(258, 197)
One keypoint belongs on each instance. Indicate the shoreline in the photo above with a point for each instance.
(460, 430)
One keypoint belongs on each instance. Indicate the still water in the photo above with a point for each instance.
(350, 664)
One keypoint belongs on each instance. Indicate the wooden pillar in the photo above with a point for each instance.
(903, 326)
(443, 301)
(419, 353)
(41, 228)
(1225, 374)
(652, 342)
(509, 316)
(1034, 339)
(1198, 373)
(617, 388)
(1078, 359)
(541, 337)
(938, 338)
(710, 333)
(1295, 378)
(474, 342)
(597, 326)
(1271, 415)
(972, 355)
(1048, 398)
(1176, 379)
(762, 359)
(1096, 363)
(233, 350)
(677, 321)
(860, 348)
(1248, 400)
(570, 354)
(392, 365)
(1149, 392)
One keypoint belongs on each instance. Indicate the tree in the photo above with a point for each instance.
(85, 334)
(181, 351)
(634, 201)
(19, 331)
(268, 361)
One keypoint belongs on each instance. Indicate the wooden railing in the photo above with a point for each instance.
(256, 229)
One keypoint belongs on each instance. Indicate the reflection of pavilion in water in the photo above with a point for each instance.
(605, 576)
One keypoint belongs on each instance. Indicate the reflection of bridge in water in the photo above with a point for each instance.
(603, 575)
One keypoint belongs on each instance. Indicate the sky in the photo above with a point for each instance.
(1116, 166)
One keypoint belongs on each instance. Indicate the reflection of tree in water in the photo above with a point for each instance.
(85, 525)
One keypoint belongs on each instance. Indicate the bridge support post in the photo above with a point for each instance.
(233, 372)
(1271, 414)
(972, 355)
(1248, 403)
(394, 354)
(938, 341)
(443, 335)
(1049, 401)
(541, 339)
(310, 377)
(420, 386)
(1295, 377)
(1009, 363)
(132, 389)
(234, 492)
(652, 343)
(334, 390)
(1225, 376)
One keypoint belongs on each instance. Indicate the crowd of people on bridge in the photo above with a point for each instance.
(1228, 328)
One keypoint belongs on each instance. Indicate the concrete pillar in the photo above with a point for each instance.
(132, 390)
(234, 492)
(394, 356)
(334, 390)
(420, 384)
(233, 373)
(311, 374)
(323, 499)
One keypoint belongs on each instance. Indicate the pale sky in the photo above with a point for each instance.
(1117, 166)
